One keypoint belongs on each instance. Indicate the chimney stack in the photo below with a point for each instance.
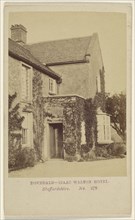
(19, 33)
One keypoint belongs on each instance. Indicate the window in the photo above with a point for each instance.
(27, 129)
(103, 127)
(24, 136)
(83, 137)
(26, 84)
(52, 86)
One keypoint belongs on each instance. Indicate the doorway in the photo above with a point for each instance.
(56, 140)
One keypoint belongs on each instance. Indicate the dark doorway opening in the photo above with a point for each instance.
(56, 140)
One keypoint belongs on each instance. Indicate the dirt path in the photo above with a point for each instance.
(60, 168)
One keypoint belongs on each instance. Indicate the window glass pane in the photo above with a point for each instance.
(103, 128)
(24, 136)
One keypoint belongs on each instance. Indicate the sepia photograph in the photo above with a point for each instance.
(67, 94)
(67, 110)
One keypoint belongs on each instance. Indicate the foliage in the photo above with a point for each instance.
(70, 149)
(15, 120)
(99, 101)
(38, 114)
(90, 123)
(102, 152)
(73, 116)
(84, 148)
(25, 157)
(14, 142)
(116, 108)
(117, 149)
(14, 130)
(102, 77)
(70, 158)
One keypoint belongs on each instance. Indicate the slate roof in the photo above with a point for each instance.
(21, 53)
(67, 50)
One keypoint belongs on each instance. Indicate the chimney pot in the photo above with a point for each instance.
(19, 33)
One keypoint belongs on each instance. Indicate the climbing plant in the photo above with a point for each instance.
(38, 113)
(90, 123)
(14, 130)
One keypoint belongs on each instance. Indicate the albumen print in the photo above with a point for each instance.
(67, 94)
(67, 72)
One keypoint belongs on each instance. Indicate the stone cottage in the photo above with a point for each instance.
(53, 81)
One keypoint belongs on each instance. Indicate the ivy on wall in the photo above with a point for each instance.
(90, 123)
(14, 130)
(72, 127)
(74, 113)
(38, 114)
(99, 99)
(73, 108)
(91, 106)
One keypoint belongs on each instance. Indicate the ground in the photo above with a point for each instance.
(61, 168)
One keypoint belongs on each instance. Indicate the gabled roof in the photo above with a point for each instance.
(61, 51)
(21, 53)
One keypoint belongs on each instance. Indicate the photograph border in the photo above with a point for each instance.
(131, 97)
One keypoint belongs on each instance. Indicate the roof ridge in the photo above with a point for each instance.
(63, 39)
(28, 51)
(88, 46)
(39, 64)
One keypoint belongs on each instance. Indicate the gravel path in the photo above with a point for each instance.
(60, 168)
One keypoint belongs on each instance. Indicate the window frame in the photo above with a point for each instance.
(24, 136)
(28, 78)
(52, 86)
(27, 130)
(103, 129)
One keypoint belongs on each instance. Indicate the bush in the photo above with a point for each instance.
(89, 156)
(70, 158)
(117, 149)
(84, 148)
(25, 157)
(70, 149)
(14, 143)
(102, 152)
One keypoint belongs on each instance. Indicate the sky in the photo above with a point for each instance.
(111, 29)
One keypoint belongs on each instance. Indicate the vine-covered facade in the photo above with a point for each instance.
(62, 101)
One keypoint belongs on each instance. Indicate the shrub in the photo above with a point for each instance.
(102, 152)
(89, 155)
(70, 149)
(14, 142)
(26, 157)
(70, 158)
(84, 148)
(117, 149)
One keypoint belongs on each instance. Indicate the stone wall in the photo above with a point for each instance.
(74, 79)
(81, 78)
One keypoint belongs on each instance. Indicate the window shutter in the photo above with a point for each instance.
(103, 128)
